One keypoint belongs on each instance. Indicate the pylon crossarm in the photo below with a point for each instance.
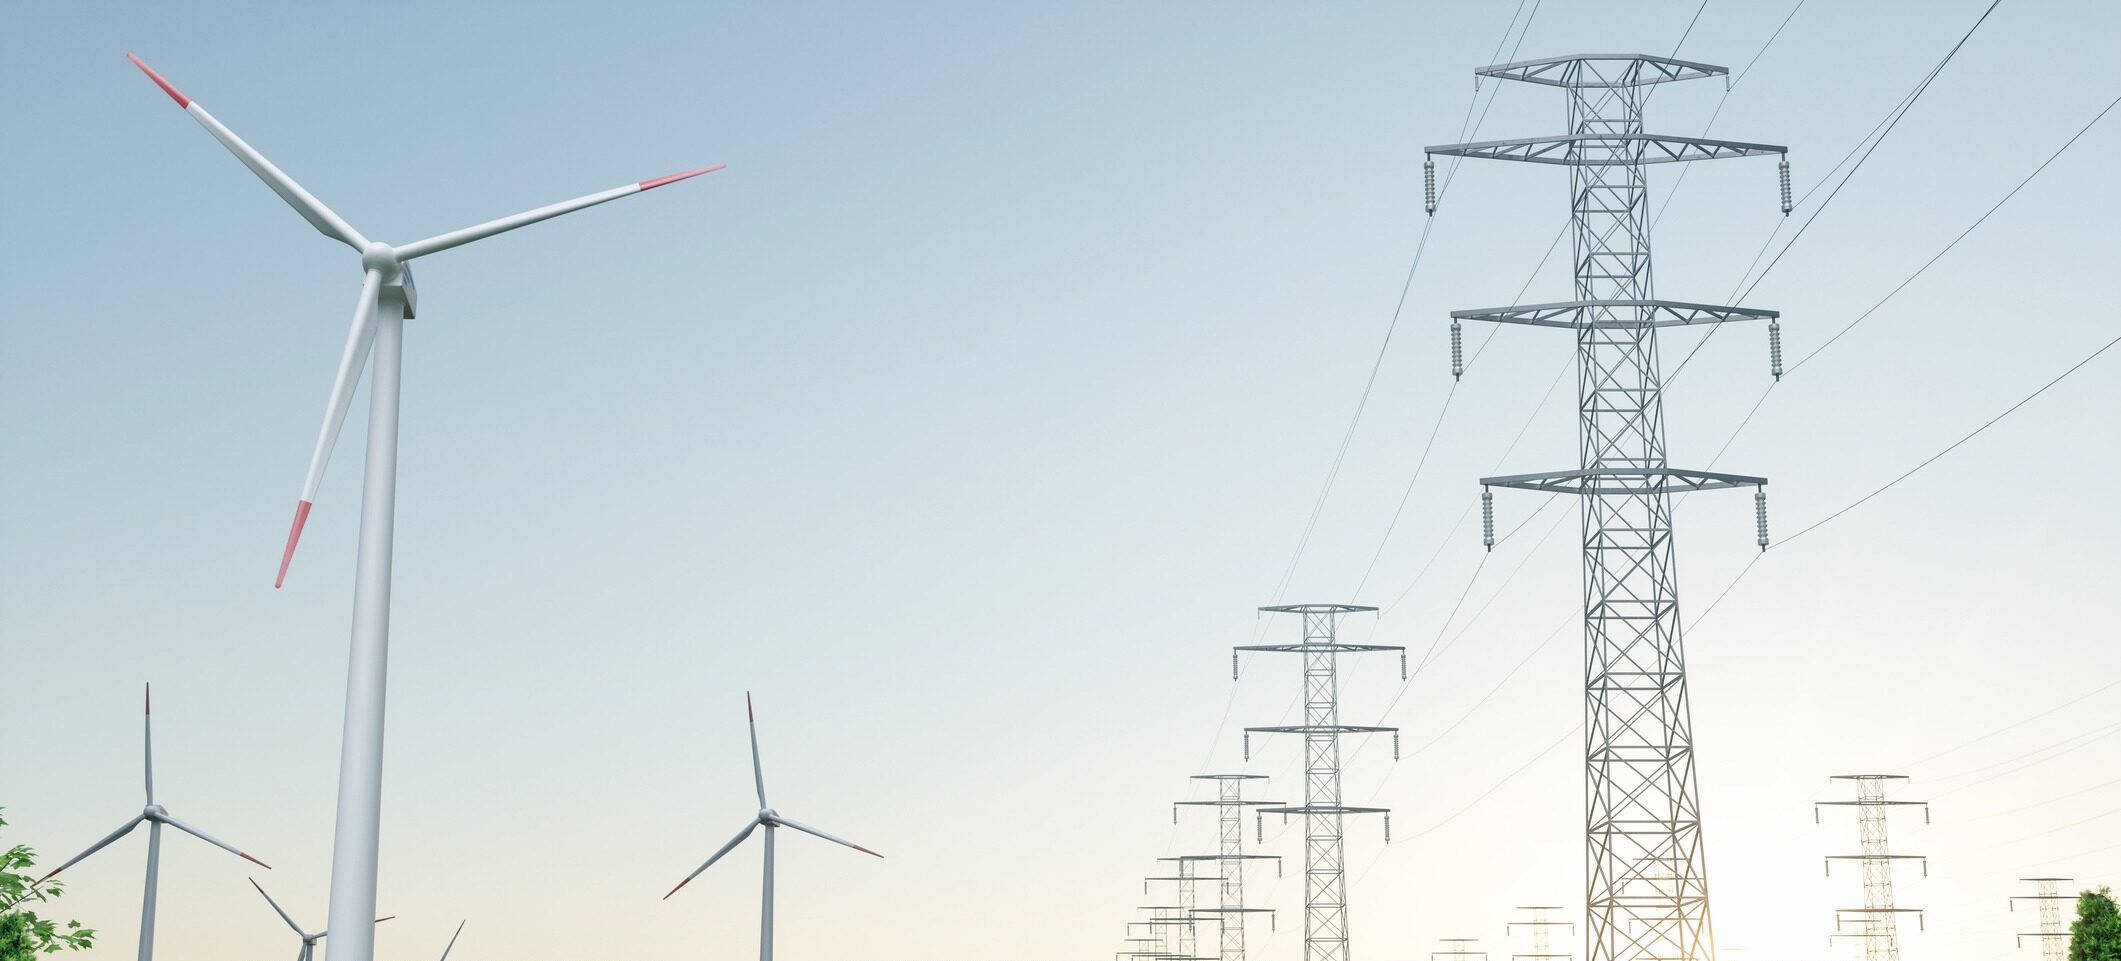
(1321, 729)
(1608, 149)
(1602, 70)
(1626, 314)
(1331, 648)
(1325, 809)
(1624, 480)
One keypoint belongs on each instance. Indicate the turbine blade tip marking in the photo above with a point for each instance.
(255, 861)
(147, 698)
(749, 713)
(674, 178)
(675, 890)
(167, 87)
(48, 875)
(866, 851)
(294, 536)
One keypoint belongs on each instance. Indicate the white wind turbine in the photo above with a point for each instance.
(309, 941)
(387, 299)
(769, 819)
(154, 816)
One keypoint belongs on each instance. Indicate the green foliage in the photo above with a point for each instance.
(2096, 934)
(24, 935)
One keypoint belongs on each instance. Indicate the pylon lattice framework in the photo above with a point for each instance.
(1230, 804)
(1325, 879)
(1877, 923)
(1187, 879)
(1540, 922)
(1646, 888)
(2054, 938)
(1459, 949)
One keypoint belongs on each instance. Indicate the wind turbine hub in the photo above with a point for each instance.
(154, 812)
(380, 257)
(768, 815)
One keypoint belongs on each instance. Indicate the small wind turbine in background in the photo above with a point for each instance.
(309, 941)
(154, 816)
(386, 300)
(769, 819)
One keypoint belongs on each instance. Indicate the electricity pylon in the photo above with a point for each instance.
(2054, 938)
(1187, 879)
(1877, 923)
(1230, 804)
(1325, 880)
(1458, 949)
(1641, 797)
(1540, 922)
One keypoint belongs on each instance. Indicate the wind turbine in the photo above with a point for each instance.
(309, 941)
(769, 819)
(154, 816)
(387, 298)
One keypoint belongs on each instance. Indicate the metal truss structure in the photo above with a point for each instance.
(2054, 937)
(1458, 949)
(1877, 922)
(1540, 922)
(1325, 878)
(1187, 880)
(1646, 890)
(1230, 804)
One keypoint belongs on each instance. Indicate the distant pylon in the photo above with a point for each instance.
(2054, 938)
(1641, 791)
(1877, 923)
(1539, 921)
(1325, 880)
(1230, 909)
(1458, 949)
(1188, 879)
(1170, 926)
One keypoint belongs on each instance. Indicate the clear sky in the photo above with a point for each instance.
(966, 417)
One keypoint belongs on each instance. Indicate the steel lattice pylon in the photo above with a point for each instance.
(2054, 937)
(1538, 920)
(1646, 890)
(1877, 923)
(1325, 879)
(1230, 803)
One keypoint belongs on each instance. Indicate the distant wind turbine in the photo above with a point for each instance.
(769, 819)
(387, 299)
(154, 816)
(309, 941)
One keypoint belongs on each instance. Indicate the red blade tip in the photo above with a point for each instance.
(294, 536)
(383, 919)
(255, 861)
(749, 714)
(867, 851)
(167, 87)
(147, 703)
(675, 890)
(674, 178)
(48, 875)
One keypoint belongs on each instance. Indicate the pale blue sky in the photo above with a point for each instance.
(966, 417)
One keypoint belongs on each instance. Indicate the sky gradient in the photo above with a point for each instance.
(966, 418)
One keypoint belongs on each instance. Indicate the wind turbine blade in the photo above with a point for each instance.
(98, 846)
(807, 829)
(311, 209)
(210, 839)
(276, 907)
(453, 940)
(726, 848)
(147, 713)
(359, 339)
(455, 238)
(758, 774)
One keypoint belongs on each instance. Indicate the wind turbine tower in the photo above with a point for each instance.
(1641, 798)
(1230, 804)
(1877, 923)
(2054, 937)
(1325, 879)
